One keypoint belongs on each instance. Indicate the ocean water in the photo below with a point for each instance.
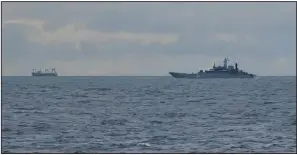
(148, 115)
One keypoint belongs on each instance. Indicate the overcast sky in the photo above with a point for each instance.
(147, 38)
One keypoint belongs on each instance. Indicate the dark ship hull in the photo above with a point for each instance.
(210, 75)
(183, 75)
(44, 74)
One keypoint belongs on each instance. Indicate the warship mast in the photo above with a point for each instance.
(225, 62)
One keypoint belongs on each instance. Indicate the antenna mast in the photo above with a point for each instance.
(225, 62)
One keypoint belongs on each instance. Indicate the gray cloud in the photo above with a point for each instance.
(159, 37)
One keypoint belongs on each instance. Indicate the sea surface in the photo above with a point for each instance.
(148, 115)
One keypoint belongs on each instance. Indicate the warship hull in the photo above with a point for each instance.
(225, 72)
(226, 75)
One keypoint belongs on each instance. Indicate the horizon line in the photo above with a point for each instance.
(124, 76)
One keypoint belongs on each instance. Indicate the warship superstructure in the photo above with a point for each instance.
(216, 72)
(45, 73)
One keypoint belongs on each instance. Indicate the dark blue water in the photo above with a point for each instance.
(148, 114)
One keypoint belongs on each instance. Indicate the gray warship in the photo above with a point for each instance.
(45, 73)
(216, 72)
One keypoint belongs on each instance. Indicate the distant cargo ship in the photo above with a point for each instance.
(216, 72)
(45, 73)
